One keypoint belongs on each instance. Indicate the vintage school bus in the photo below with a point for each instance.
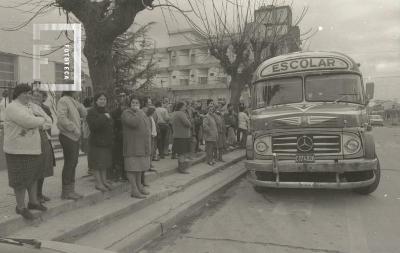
(309, 124)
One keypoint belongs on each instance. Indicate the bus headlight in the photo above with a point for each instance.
(351, 144)
(262, 145)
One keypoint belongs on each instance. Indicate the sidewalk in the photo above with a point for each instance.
(10, 221)
(118, 222)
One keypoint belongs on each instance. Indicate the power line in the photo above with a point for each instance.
(375, 52)
(388, 76)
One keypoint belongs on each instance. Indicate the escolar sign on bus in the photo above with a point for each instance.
(304, 64)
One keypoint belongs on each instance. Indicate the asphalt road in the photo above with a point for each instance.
(287, 220)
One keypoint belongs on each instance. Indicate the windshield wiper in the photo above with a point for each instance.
(344, 95)
(21, 242)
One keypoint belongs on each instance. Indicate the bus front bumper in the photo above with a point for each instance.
(338, 168)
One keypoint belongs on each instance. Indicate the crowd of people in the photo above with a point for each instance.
(121, 143)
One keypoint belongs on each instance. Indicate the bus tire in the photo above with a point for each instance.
(370, 153)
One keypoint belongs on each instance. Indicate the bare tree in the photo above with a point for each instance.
(103, 21)
(242, 34)
(234, 35)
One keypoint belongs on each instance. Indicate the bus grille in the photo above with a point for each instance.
(322, 144)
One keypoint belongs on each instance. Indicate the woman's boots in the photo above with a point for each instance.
(182, 167)
(141, 184)
(68, 192)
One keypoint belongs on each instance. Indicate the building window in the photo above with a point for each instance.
(59, 73)
(184, 82)
(203, 80)
(173, 58)
(211, 74)
(221, 100)
(88, 91)
(193, 58)
(223, 79)
(7, 67)
(282, 15)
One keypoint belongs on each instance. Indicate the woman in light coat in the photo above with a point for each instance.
(137, 146)
(23, 148)
(210, 130)
(244, 122)
(70, 113)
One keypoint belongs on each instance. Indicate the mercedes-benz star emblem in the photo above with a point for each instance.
(305, 143)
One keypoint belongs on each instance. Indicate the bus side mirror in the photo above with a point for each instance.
(369, 90)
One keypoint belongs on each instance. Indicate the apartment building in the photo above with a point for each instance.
(188, 71)
(16, 61)
(16, 68)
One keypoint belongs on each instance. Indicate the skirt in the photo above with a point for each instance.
(137, 163)
(47, 169)
(182, 145)
(99, 158)
(23, 170)
(221, 140)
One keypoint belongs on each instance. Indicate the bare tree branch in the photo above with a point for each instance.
(42, 10)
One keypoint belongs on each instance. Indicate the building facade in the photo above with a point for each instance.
(189, 72)
(16, 69)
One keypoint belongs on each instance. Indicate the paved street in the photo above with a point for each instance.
(280, 220)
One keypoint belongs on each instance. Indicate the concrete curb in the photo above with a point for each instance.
(101, 221)
(61, 157)
(58, 206)
(162, 225)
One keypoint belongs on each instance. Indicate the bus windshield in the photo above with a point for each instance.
(334, 88)
(279, 91)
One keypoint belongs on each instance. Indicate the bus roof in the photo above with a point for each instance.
(305, 61)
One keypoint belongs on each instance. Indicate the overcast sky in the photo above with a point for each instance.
(367, 30)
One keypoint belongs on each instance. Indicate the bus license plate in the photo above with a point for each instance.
(305, 158)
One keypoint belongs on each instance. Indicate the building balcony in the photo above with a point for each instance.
(189, 66)
(199, 87)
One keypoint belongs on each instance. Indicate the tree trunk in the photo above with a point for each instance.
(99, 56)
(236, 87)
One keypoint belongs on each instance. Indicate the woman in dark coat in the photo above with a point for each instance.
(137, 146)
(100, 141)
(49, 160)
(181, 126)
